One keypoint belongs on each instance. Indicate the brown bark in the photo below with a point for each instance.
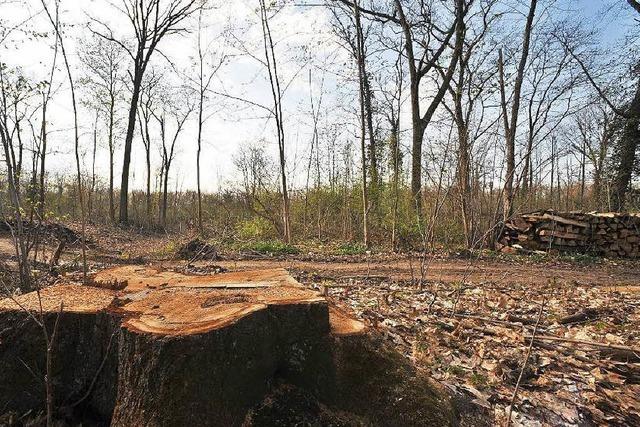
(112, 209)
(55, 24)
(629, 143)
(18, 233)
(128, 141)
(151, 22)
(417, 70)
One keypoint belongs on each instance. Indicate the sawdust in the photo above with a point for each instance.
(75, 298)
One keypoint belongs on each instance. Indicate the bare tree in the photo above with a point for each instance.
(103, 80)
(353, 35)
(94, 150)
(364, 121)
(203, 83)
(426, 43)
(180, 116)
(596, 127)
(469, 89)
(511, 122)
(392, 100)
(276, 92)
(56, 25)
(148, 103)
(551, 82)
(630, 112)
(150, 22)
(18, 231)
(46, 96)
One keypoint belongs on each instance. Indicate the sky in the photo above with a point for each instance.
(231, 125)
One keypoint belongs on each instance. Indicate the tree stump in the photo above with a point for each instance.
(142, 346)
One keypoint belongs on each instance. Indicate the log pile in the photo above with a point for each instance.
(609, 234)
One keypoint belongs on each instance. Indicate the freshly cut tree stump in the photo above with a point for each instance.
(142, 346)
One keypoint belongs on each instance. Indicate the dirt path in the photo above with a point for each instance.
(607, 273)
(458, 270)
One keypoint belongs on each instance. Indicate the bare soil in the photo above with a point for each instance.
(455, 270)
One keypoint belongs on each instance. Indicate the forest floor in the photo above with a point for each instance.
(468, 321)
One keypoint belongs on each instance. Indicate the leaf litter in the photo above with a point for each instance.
(472, 337)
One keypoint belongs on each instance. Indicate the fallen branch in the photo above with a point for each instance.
(581, 316)
(516, 323)
(97, 374)
(584, 342)
(519, 319)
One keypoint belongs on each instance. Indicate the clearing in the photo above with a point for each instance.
(468, 323)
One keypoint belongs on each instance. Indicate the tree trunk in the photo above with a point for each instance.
(627, 153)
(395, 134)
(93, 166)
(165, 185)
(43, 157)
(200, 228)
(272, 69)
(363, 122)
(148, 189)
(128, 141)
(527, 171)
(209, 356)
(373, 156)
(112, 209)
(511, 128)
(464, 187)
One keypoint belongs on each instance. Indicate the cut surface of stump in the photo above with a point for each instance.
(156, 347)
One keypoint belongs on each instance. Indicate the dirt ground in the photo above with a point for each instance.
(563, 337)
(454, 270)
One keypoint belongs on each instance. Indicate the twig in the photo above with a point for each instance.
(526, 361)
(97, 374)
(519, 325)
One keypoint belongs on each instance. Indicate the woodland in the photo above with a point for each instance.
(461, 178)
(420, 122)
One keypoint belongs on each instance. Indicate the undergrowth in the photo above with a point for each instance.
(269, 247)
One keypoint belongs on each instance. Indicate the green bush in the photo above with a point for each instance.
(352, 249)
(255, 228)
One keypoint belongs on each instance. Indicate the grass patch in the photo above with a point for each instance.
(478, 380)
(352, 249)
(541, 258)
(456, 370)
(270, 247)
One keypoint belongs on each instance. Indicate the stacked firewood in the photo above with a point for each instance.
(609, 234)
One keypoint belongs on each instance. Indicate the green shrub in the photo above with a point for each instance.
(255, 229)
(352, 249)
